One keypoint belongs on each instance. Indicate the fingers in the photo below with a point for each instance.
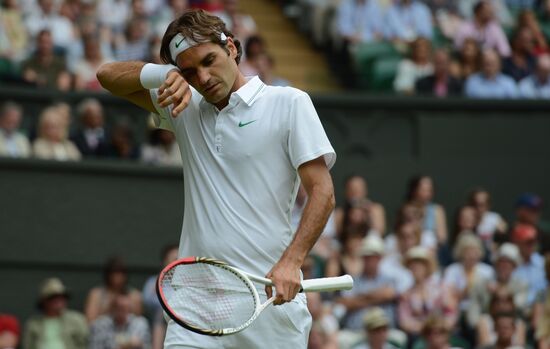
(286, 289)
(183, 103)
(174, 91)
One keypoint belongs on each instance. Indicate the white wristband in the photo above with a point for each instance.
(154, 75)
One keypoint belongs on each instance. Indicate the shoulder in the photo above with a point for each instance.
(285, 92)
(74, 316)
(485, 269)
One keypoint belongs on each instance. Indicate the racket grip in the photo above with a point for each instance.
(328, 284)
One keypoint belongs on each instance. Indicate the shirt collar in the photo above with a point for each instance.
(248, 93)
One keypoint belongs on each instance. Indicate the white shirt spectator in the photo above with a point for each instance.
(455, 276)
(360, 20)
(61, 28)
(501, 86)
(113, 13)
(407, 74)
(532, 87)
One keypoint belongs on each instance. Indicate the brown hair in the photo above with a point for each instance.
(200, 27)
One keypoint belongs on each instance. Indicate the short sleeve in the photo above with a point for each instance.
(162, 119)
(307, 139)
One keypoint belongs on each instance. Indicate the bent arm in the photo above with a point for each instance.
(122, 80)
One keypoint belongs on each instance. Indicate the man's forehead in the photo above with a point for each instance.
(194, 55)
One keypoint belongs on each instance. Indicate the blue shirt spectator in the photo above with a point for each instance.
(407, 20)
(532, 273)
(490, 82)
(360, 20)
(538, 84)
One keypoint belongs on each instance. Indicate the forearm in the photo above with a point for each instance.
(121, 78)
(318, 208)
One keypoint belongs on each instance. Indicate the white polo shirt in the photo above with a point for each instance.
(240, 169)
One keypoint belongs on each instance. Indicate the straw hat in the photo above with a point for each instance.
(52, 287)
(372, 245)
(420, 253)
(375, 318)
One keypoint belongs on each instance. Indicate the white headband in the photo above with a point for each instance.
(180, 43)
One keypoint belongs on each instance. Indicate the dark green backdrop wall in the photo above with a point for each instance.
(65, 219)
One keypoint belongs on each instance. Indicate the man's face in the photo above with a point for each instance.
(10, 121)
(45, 43)
(377, 337)
(210, 70)
(93, 117)
(490, 64)
(55, 305)
(437, 338)
(528, 215)
(441, 63)
(370, 264)
(526, 248)
(505, 328)
(121, 308)
(504, 269)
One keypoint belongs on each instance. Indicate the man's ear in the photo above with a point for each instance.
(232, 48)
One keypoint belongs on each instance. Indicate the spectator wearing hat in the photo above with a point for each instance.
(427, 296)
(436, 334)
(505, 261)
(9, 332)
(56, 326)
(531, 270)
(119, 328)
(376, 324)
(468, 270)
(374, 287)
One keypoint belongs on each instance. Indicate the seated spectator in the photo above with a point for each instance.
(376, 325)
(446, 15)
(505, 330)
(418, 66)
(134, 44)
(115, 282)
(372, 214)
(441, 83)
(373, 288)
(120, 328)
(122, 144)
(86, 68)
(240, 24)
(52, 142)
(484, 29)
(44, 68)
(324, 329)
(436, 334)
(167, 14)
(531, 271)
(90, 138)
(265, 65)
(468, 61)
(162, 149)
(528, 210)
(48, 19)
(501, 302)
(420, 193)
(541, 313)
(490, 82)
(537, 85)
(466, 9)
(348, 260)
(427, 296)
(13, 34)
(407, 20)
(409, 232)
(56, 326)
(468, 270)
(12, 143)
(527, 19)
(490, 223)
(113, 14)
(9, 332)
(360, 21)
(466, 221)
(254, 46)
(521, 62)
(505, 261)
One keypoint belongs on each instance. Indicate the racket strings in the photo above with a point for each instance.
(208, 296)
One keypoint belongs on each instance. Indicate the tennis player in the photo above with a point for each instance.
(245, 148)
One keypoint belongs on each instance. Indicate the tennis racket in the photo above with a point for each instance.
(210, 297)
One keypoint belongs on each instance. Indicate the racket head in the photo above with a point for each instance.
(208, 296)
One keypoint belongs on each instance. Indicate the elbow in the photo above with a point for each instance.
(103, 74)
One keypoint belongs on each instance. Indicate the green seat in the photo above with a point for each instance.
(454, 341)
(365, 55)
(383, 73)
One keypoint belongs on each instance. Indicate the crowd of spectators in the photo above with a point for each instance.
(479, 49)
(481, 284)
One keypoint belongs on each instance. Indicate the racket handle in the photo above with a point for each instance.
(328, 284)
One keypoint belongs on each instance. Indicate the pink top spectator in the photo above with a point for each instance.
(491, 36)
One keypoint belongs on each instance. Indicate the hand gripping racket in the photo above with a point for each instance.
(209, 297)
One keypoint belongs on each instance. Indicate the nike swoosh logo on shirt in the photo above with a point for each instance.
(242, 124)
